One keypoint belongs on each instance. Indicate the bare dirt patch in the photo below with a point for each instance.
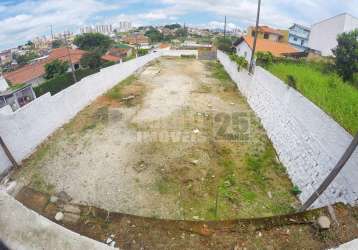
(174, 141)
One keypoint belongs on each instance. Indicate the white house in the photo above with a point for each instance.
(324, 34)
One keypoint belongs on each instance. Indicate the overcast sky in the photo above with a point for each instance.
(24, 20)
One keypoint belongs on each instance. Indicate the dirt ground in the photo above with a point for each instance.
(174, 141)
(293, 231)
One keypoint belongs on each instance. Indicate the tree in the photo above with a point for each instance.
(55, 68)
(91, 60)
(224, 44)
(57, 44)
(346, 55)
(24, 59)
(154, 35)
(172, 26)
(93, 42)
(182, 32)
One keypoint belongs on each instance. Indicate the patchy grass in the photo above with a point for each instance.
(38, 183)
(218, 72)
(116, 92)
(326, 90)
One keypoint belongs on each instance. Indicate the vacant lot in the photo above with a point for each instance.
(175, 140)
(327, 90)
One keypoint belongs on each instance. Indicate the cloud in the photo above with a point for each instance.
(34, 18)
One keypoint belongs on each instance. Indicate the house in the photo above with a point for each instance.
(136, 39)
(5, 57)
(266, 32)
(298, 36)
(324, 34)
(15, 97)
(34, 73)
(243, 47)
(118, 52)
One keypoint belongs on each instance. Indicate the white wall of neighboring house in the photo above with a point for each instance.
(324, 34)
(244, 50)
(3, 84)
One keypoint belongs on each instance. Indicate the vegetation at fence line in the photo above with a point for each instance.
(61, 82)
(116, 92)
(188, 56)
(264, 58)
(346, 56)
(142, 52)
(56, 68)
(240, 60)
(26, 58)
(326, 89)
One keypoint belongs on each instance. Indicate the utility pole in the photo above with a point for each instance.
(225, 29)
(251, 68)
(340, 164)
(69, 56)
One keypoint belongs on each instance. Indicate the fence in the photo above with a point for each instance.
(309, 142)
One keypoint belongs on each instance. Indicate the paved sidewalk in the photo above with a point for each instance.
(24, 229)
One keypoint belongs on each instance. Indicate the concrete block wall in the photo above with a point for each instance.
(308, 141)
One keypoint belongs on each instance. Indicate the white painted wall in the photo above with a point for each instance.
(27, 127)
(244, 50)
(309, 143)
(3, 84)
(324, 34)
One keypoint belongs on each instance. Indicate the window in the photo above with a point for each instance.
(245, 54)
(266, 36)
(295, 39)
(252, 33)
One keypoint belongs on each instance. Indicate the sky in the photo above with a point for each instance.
(21, 21)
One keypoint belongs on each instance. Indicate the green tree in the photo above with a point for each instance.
(93, 42)
(154, 35)
(55, 68)
(181, 32)
(224, 44)
(91, 60)
(142, 52)
(172, 26)
(57, 44)
(24, 59)
(346, 55)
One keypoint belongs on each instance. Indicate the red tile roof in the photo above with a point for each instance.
(37, 69)
(265, 45)
(111, 58)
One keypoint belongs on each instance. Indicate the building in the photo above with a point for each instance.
(124, 26)
(324, 34)
(34, 73)
(103, 29)
(136, 39)
(118, 52)
(15, 97)
(5, 57)
(268, 33)
(244, 46)
(298, 36)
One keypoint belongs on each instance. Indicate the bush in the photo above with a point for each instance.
(56, 68)
(142, 52)
(291, 81)
(61, 82)
(188, 56)
(346, 54)
(91, 60)
(264, 58)
(240, 60)
(296, 190)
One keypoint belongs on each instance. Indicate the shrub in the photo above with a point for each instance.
(264, 58)
(291, 81)
(142, 52)
(224, 44)
(240, 60)
(55, 68)
(346, 54)
(295, 190)
(61, 82)
(91, 60)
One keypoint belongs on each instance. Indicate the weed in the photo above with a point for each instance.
(291, 81)
(116, 92)
(164, 185)
(38, 183)
(296, 190)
